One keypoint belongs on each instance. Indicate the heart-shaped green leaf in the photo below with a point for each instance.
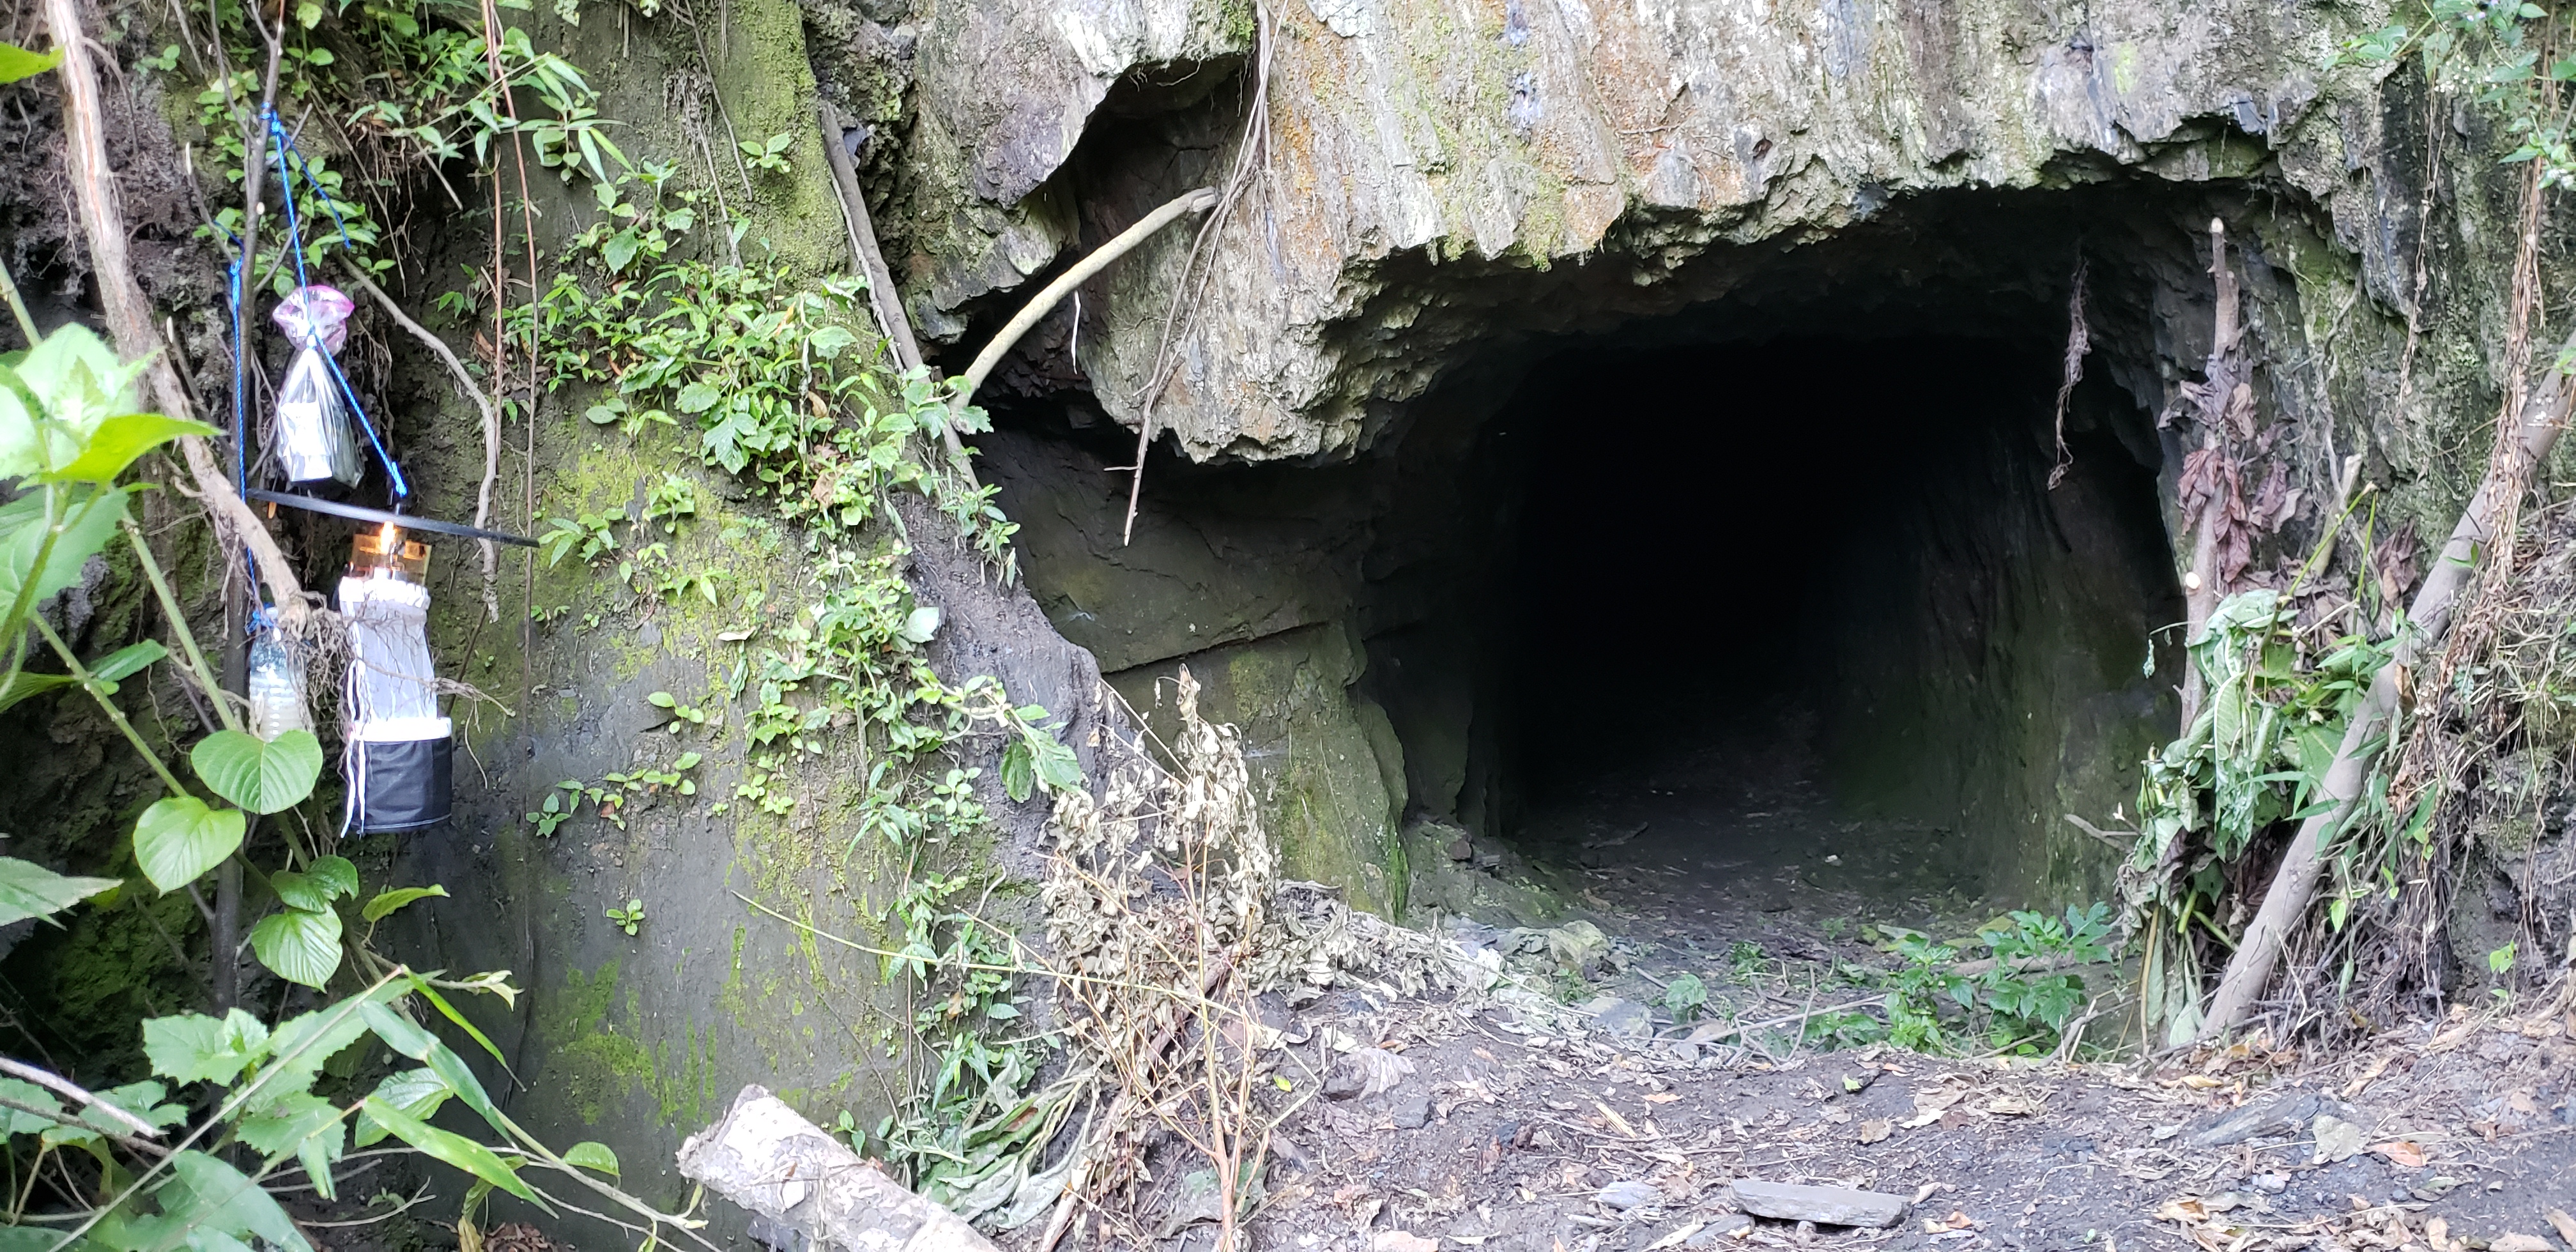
(263, 776)
(299, 946)
(30, 890)
(179, 839)
(336, 875)
(300, 891)
(593, 1155)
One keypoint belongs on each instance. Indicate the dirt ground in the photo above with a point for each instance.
(2457, 1134)
(1530, 1136)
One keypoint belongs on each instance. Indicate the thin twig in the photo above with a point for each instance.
(73, 1091)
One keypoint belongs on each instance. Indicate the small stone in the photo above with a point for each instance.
(2063, 1143)
(1411, 1113)
(1684, 1051)
(2269, 1184)
(1628, 1193)
(1625, 1018)
(1829, 1206)
(1578, 946)
(2277, 1117)
(1461, 850)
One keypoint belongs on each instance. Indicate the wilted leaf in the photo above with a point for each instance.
(2337, 1139)
(1376, 1069)
(2401, 1152)
(1876, 1129)
(922, 623)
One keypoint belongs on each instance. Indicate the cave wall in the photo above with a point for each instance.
(638, 1041)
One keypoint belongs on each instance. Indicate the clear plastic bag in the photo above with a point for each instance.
(313, 439)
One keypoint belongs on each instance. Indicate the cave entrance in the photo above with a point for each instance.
(1813, 610)
(1748, 573)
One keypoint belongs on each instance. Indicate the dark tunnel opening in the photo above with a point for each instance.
(1823, 581)
(1763, 573)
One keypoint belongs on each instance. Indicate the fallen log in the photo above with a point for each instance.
(771, 1161)
(2544, 414)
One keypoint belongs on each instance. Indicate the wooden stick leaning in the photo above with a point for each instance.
(870, 258)
(1199, 201)
(2294, 884)
(129, 315)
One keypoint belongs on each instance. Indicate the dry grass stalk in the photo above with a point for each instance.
(1163, 883)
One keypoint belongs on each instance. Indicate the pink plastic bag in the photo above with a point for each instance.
(315, 310)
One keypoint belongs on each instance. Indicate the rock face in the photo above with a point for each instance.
(1436, 176)
(1444, 193)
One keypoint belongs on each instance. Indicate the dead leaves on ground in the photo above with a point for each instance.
(2227, 1223)
(2402, 1153)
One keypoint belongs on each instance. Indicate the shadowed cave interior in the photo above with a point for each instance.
(1744, 580)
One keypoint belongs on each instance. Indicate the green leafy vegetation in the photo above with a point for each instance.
(1685, 996)
(2256, 756)
(2021, 999)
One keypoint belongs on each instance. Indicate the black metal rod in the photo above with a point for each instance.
(404, 521)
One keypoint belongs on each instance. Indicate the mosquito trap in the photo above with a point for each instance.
(400, 759)
(313, 439)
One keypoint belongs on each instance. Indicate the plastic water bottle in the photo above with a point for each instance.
(276, 688)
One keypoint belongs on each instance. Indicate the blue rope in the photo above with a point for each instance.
(279, 147)
(280, 142)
